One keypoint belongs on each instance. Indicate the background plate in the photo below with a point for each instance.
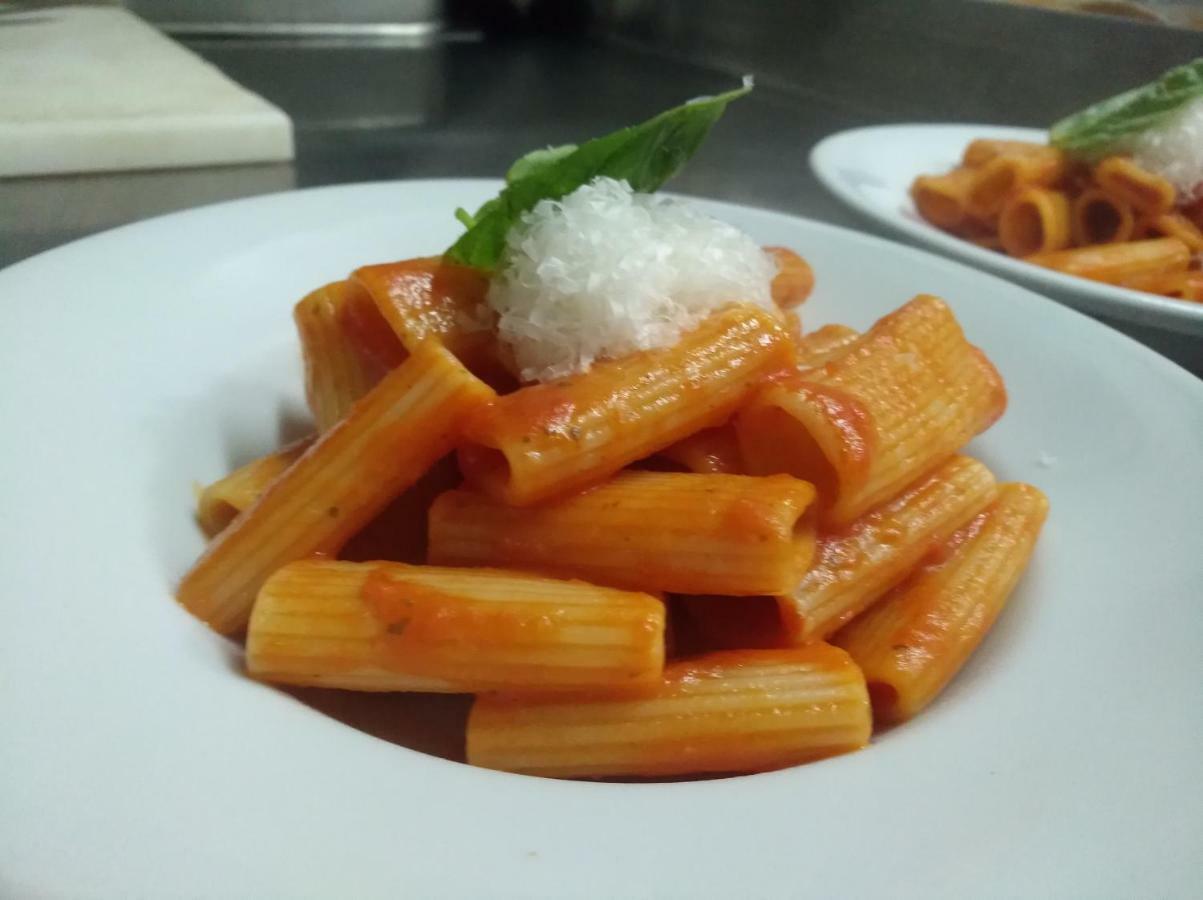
(871, 169)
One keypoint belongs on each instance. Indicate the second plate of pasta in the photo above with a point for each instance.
(872, 170)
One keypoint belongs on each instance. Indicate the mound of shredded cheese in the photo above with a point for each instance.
(1174, 150)
(606, 271)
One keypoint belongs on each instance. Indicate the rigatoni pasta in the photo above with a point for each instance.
(430, 298)
(1192, 288)
(824, 345)
(1176, 225)
(983, 150)
(1035, 220)
(1146, 193)
(944, 199)
(1158, 281)
(662, 531)
(388, 441)
(1101, 218)
(571, 675)
(916, 639)
(1004, 175)
(898, 402)
(221, 502)
(549, 439)
(740, 711)
(1081, 213)
(794, 279)
(338, 370)
(380, 626)
(1119, 263)
(853, 567)
(449, 531)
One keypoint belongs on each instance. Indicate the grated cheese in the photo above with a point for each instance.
(605, 272)
(1174, 150)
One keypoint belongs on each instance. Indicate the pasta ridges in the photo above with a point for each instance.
(466, 629)
(682, 532)
(668, 728)
(898, 402)
(913, 641)
(550, 439)
(390, 438)
(855, 566)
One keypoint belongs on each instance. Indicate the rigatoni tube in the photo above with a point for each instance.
(1119, 263)
(649, 531)
(220, 502)
(983, 150)
(1002, 176)
(429, 298)
(1035, 220)
(1178, 226)
(943, 200)
(387, 441)
(824, 345)
(1097, 217)
(338, 371)
(554, 438)
(740, 711)
(381, 626)
(853, 567)
(1192, 289)
(916, 639)
(1168, 283)
(899, 401)
(794, 279)
(1148, 194)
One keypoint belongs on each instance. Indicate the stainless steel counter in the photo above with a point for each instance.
(463, 106)
(456, 108)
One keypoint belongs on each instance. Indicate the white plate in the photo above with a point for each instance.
(871, 169)
(136, 760)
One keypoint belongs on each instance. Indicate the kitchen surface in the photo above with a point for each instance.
(479, 84)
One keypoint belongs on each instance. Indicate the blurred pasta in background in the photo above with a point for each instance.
(1113, 221)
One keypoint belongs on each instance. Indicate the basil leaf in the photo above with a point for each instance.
(645, 155)
(1103, 128)
(536, 161)
(533, 162)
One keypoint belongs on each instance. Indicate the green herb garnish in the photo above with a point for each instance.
(1102, 129)
(645, 155)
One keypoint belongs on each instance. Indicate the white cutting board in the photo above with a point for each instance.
(86, 89)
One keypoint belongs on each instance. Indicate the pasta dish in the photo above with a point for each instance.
(588, 466)
(1115, 196)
